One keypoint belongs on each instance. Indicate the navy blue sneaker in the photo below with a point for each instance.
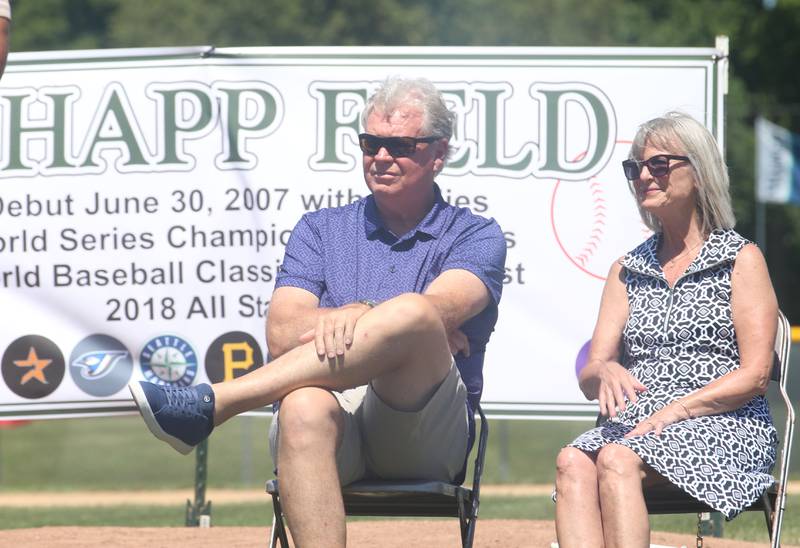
(182, 417)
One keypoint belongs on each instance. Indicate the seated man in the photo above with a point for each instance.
(372, 303)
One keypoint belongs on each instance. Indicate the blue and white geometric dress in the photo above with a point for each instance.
(677, 340)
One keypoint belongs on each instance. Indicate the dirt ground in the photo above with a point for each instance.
(361, 534)
(372, 534)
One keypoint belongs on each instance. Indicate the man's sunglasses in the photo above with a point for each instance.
(398, 147)
(657, 165)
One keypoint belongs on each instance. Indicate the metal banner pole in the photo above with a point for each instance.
(199, 513)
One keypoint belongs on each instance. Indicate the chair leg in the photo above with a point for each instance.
(467, 514)
(278, 528)
(769, 513)
(473, 518)
(462, 521)
(273, 535)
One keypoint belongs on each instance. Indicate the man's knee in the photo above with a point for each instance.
(309, 418)
(413, 313)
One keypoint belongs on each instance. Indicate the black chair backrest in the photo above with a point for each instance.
(775, 375)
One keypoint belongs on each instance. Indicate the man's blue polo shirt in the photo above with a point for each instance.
(346, 254)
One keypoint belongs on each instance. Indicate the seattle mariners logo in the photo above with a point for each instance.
(168, 360)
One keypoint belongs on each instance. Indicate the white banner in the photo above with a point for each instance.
(147, 196)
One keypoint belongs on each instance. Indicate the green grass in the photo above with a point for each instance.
(118, 453)
(109, 516)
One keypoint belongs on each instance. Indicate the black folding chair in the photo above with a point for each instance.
(405, 498)
(668, 499)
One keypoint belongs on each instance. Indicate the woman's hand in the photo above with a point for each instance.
(659, 420)
(616, 383)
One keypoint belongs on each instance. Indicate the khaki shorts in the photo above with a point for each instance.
(381, 442)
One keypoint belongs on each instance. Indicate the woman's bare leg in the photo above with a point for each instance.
(625, 520)
(578, 520)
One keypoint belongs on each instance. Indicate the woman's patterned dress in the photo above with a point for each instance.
(676, 341)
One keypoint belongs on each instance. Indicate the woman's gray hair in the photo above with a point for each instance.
(681, 134)
(437, 119)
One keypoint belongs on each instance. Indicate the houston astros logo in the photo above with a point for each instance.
(596, 221)
(168, 360)
(33, 366)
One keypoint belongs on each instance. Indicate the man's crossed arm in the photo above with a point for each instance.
(295, 316)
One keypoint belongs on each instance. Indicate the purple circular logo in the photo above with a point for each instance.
(583, 356)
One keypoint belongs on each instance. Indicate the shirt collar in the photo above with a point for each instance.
(430, 227)
(722, 245)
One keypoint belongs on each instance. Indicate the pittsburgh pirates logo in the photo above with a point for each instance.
(232, 355)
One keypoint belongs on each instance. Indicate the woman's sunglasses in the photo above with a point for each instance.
(398, 147)
(657, 165)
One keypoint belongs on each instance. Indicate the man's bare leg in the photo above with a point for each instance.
(311, 428)
(399, 346)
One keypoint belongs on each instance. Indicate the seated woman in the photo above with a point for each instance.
(681, 354)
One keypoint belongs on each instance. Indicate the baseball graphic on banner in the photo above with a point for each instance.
(596, 221)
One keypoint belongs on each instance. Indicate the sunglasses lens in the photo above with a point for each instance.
(400, 147)
(658, 165)
(403, 147)
(369, 144)
(397, 147)
(631, 169)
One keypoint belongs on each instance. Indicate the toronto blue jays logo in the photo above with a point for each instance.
(100, 365)
(97, 364)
